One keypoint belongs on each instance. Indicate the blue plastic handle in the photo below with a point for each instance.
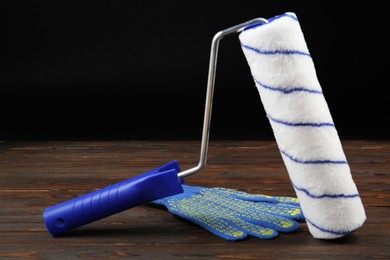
(158, 183)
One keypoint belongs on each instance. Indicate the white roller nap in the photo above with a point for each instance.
(284, 74)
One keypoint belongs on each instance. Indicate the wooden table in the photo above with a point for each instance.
(35, 175)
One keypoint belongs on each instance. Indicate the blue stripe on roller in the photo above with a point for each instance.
(275, 52)
(332, 196)
(292, 158)
(253, 26)
(335, 232)
(281, 16)
(300, 123)
(288, 90)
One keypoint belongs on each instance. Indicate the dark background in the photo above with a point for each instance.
(138, 69)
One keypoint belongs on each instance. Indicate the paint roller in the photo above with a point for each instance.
(285, 76)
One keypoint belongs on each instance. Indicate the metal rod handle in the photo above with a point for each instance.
(210, 92)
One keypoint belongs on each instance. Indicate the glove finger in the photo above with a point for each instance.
(254, 197)
(223, 192)
(254, 229)
(288, 200)
(253, 208)
(276, 222)
(283, 210)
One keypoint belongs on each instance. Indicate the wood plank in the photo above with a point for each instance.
(35, 175)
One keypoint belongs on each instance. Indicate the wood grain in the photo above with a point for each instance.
(35, 175)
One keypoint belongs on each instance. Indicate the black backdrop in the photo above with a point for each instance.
(138, 69)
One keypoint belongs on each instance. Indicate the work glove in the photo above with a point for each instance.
(234, 215)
